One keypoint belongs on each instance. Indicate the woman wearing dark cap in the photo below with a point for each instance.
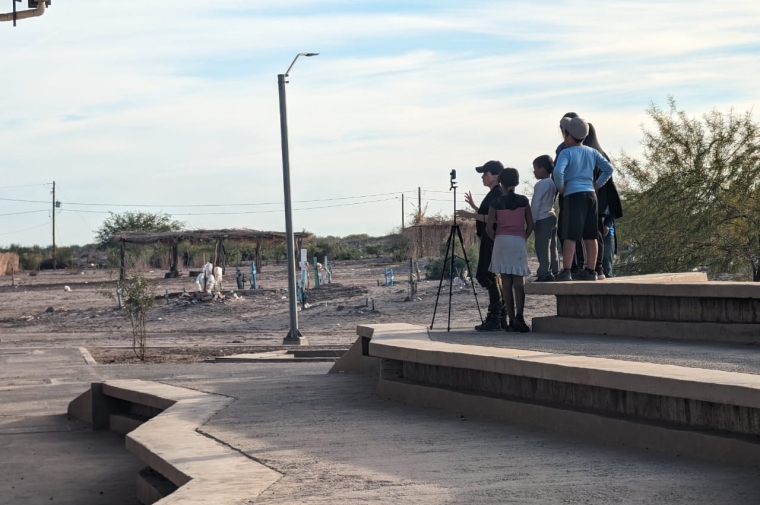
(610, 209)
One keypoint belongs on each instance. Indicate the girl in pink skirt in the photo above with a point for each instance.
(509, 224)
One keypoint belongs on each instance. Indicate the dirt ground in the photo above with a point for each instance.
(38, 312)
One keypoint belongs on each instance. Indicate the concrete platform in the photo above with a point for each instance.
(702, 412)
(659, 306)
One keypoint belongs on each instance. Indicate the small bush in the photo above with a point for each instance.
(435, 266)
(139, 299)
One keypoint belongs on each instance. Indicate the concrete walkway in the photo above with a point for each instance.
(725, 357)
(335, 441)
(44, 457)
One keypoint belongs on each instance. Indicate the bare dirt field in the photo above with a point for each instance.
(39, 312)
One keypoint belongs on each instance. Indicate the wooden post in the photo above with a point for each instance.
(419, 220)
(175, 260)
(257, 257)
(54, 264)
(216, 252)
(222, 256)
(13, 278)
(122, 265)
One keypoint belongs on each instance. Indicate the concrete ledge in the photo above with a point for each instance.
(650, 378)
(123, 424)
(152, 487)
(358, 360)
(702, 445)
(81, 407)
(612, 285)
(668, 330)
(354, 361)
(204, 470)
(712, 289)
(705, 413)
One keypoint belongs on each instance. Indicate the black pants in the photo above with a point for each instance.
(487, 279)
(580, 257)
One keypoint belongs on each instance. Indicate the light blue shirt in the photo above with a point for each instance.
(574, 169)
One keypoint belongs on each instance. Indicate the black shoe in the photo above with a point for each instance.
(494, 324)
(510, 328)
(489, 316)
(563, 276)
(546, 278)
(584, 275)
(520, 324)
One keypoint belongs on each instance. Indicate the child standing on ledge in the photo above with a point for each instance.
(509, 224)
(542, 208)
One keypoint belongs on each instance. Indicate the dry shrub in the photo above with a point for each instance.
(8, 262)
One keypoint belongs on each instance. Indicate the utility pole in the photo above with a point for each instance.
(54, 265)
(402, 211)
(419, 220)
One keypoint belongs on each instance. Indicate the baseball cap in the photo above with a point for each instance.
(494, 167)
(577, 127)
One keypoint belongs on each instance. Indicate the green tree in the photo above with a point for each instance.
(134, 221)
(693, 201)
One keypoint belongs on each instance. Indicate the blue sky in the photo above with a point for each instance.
(157, 105)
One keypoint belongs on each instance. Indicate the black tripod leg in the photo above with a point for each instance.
(469, 271)
(440, 284)
(451, 272)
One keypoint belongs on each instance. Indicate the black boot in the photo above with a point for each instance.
(489, 317)
(492, 323)
(520, 324)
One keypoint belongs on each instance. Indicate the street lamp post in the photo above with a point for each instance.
(294, 336)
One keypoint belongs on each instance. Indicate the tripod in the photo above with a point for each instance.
(451, 253)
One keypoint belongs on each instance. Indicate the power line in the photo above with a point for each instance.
(25, 185)
(201, 205)
(252, 212)
(25, 229)
(79, 214)
(25, 212)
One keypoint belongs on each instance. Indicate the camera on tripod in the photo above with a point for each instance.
(450, 257)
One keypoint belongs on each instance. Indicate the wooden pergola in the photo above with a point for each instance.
(218, 237)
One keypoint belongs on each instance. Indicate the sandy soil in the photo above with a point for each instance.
(39, 312)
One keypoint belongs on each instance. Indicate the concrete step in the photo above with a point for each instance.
(152, 487)
(705, 413)
(291, 356)
(202, 470)
(124, 423)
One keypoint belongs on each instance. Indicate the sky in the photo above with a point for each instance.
(173, 106)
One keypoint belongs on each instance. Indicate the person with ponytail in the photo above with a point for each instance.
(509, 224)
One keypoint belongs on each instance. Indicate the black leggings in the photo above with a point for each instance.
(515, 302)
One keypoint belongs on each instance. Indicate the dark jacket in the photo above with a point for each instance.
(607, 196)
(483, 209)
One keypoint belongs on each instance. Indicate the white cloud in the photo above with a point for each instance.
(150, 102)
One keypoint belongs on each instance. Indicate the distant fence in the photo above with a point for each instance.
(425, 240)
